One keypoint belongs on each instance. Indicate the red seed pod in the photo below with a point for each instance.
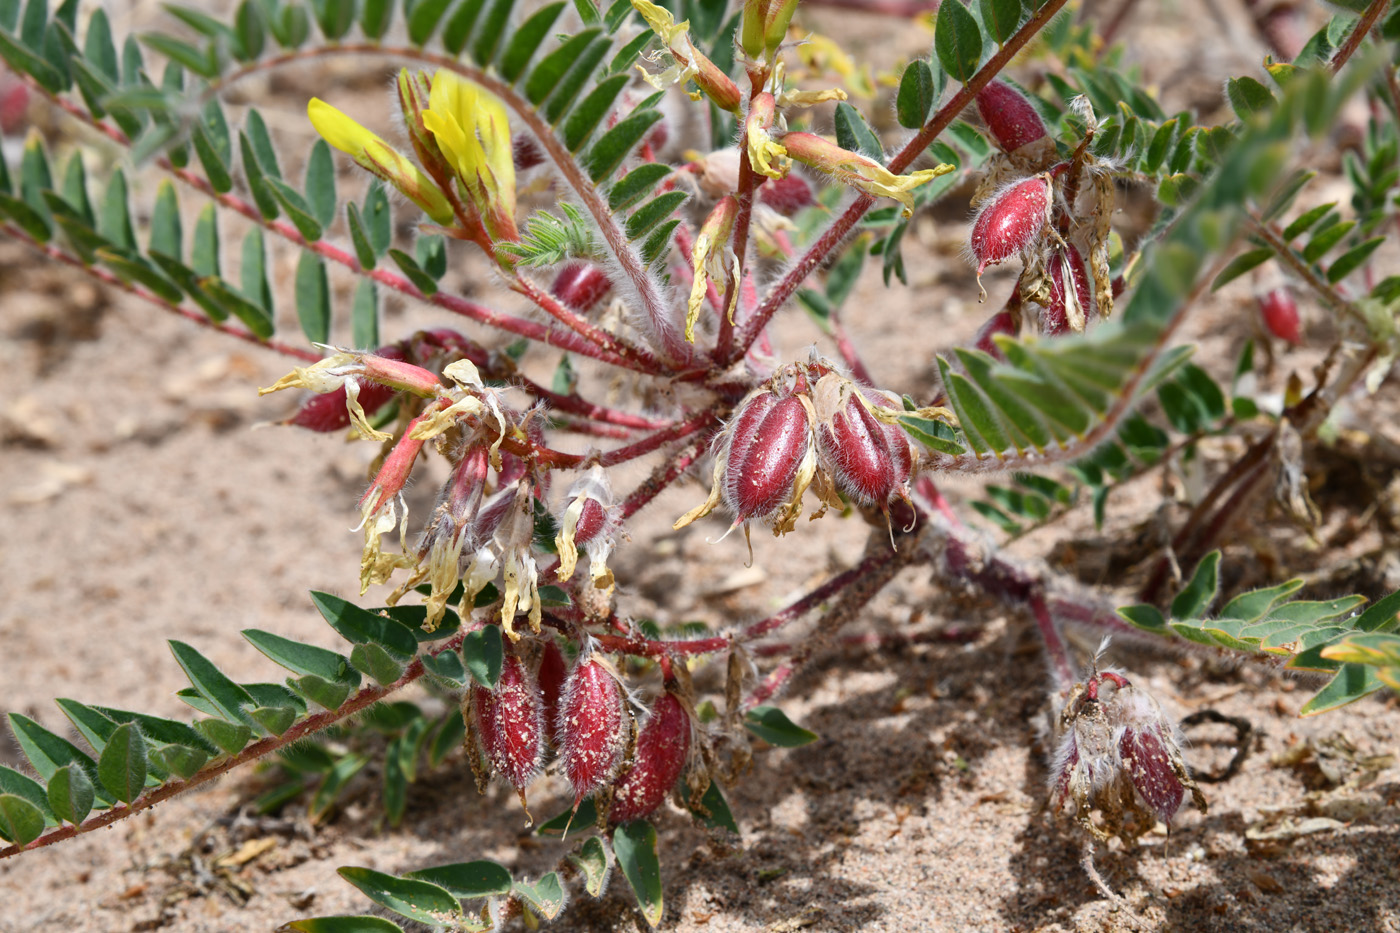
(525, 152)
(1150, 769)
(787, 195)
(770, 442)
(1280, 313)
(327, 413)
(1069, 294)
(1010, 221)
(581, 286)
(662, 748)
(869, 460)
(510, 722)
(593, 727)
(1003, 322)
(1009, 116)
(553, 671)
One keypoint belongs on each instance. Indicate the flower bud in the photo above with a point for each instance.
(1280, 314)
(510, 723)
(764, 25)
(1069, 294)
(1011, 221)
(1119, 753)
(662, 748)
(581, 285)
(1009, 116)
(593, 727)
(870, 460)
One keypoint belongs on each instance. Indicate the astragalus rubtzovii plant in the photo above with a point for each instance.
(537, 136)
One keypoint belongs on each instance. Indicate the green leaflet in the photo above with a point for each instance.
(957, 41)
(635, 847)
(313, 297)
(417, 900)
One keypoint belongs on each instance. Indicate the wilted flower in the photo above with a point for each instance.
(713, 256)
(766, 157)
(586, 522)
(858, 171)
(1118, 752)
(690, 63)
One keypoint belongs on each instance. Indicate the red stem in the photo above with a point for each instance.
(203, 320)
(835, 234)
(1363, 26)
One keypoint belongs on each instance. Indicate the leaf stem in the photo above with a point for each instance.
(109, 279)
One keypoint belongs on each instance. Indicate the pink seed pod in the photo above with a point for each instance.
(1120, 753)
(1280, 314)
(1003, 322)
(662, 748)
(327, 413)
(510, 722)
(581, 285)
(1009, 116)
(770, 443)
(870, 460)
(787, 195)
(525, 152)
(1011, 221)
(1069, 294)
(593, 727)
(553, 671)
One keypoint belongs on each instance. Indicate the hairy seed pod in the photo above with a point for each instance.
(771, 440)
(1003, 322)
(1280, 314)
(1069, 294)
(662, 748)
(553, 672)
(327, 413)
(870, 460)
(787, 195)
(510, 722)
(1009, 116)
(1010, 221)
(593, 727)
(525, 152)
(581, 285)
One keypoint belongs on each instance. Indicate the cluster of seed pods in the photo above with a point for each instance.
(808, 427)
(582, 712)
(1025, 217)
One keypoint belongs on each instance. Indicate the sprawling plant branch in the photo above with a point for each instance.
(522, 327)
(265, 746)
(834, 235)
(107, 278)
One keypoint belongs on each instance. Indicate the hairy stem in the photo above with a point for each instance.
(199, 318)
(265, 746)
(1358, 34)
(835, 234)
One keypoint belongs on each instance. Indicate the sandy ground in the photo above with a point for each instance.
(143, 505)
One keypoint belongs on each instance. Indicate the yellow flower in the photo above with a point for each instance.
(381, 159)
(691, 64)
(472, 129)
